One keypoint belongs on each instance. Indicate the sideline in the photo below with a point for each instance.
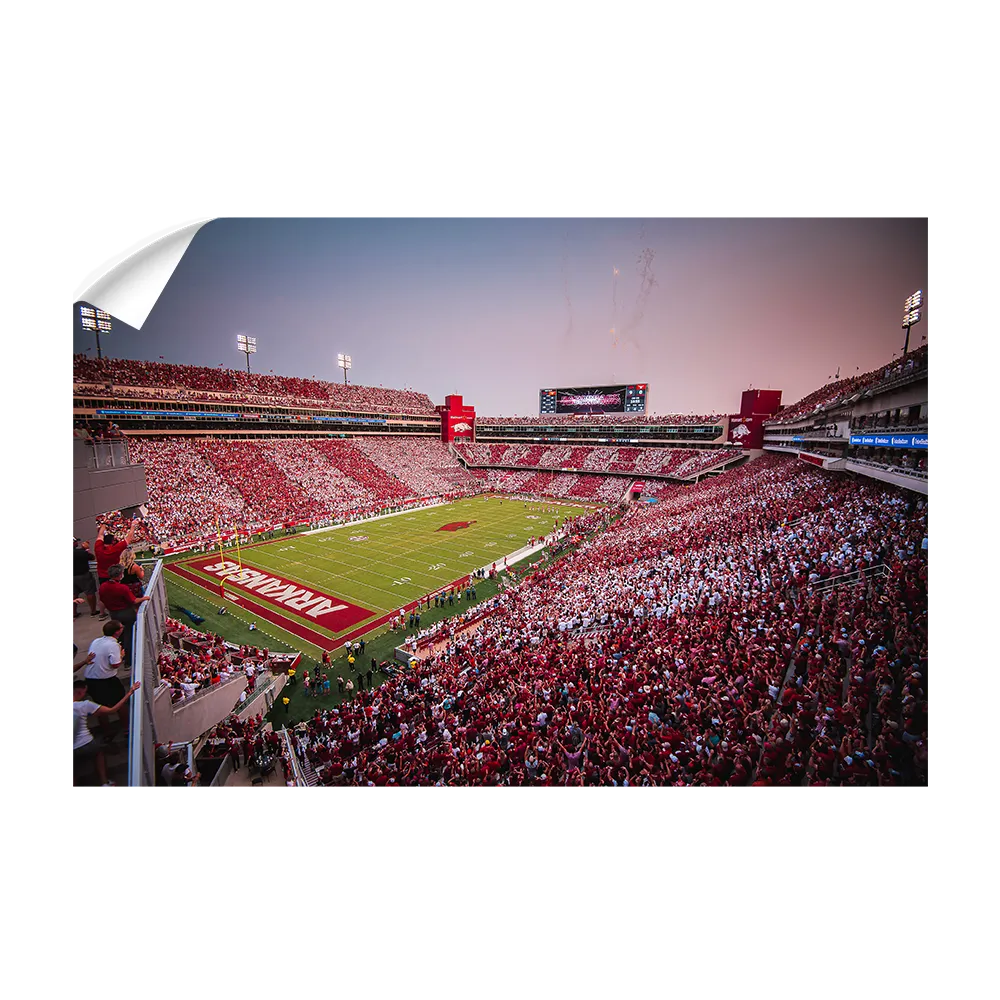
(378, 517)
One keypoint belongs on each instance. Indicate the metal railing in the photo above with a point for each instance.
(835, 582)
(297, 773)
(147, 640)
(106, 453)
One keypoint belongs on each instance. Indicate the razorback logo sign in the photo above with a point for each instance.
(455, 525)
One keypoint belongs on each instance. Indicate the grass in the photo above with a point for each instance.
(399, 560)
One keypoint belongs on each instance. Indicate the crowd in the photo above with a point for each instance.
(134, 378)
(196, 484)
(192, 661)
(246, 742)
(841, 389)
(640, 461)
(424, 464)
(690, 643)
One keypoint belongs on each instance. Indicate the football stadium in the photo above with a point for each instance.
(290, 581)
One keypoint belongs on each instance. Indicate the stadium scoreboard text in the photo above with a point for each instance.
(594, 399)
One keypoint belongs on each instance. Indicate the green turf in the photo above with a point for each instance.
(398, 559)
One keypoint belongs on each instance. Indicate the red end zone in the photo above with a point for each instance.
(261, 591)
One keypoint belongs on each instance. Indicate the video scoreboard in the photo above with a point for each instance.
(594, 399)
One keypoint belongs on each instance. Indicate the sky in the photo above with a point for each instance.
(496, 309)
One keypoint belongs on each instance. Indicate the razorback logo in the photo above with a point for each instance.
(455, 525)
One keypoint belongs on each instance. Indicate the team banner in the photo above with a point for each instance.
(890, 440)
(748, 432)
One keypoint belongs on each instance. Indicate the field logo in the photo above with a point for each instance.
(359, 538)
(279, 591)
(455, 525)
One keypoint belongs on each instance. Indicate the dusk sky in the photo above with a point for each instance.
(495, 309)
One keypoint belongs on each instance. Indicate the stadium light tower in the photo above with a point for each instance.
(248, 345)
(97, 320)
(911, 316)
(344, 361)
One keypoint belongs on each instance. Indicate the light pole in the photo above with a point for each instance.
(344, 361)
(97, 320)
(911, 316)
(248, 345)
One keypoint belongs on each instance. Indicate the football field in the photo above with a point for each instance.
(323, 587)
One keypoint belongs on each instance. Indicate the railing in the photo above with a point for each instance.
(834, 582)
(201, 692)
(147, 638)
(915, 473)
(108, 453)
(920, 426)
(300, 778)
(582, 631)
(262, 687)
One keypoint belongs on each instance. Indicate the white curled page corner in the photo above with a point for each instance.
(130, 288)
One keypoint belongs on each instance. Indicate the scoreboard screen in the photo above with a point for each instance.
(594, 399)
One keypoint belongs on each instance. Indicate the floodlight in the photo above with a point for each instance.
(248, 345)
(911, 315)
(97, 320)
(344, 361)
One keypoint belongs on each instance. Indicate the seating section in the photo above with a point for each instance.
(196, 484)
(654, 655)
(321, 476)
(146, 379)
(424, 464)
(356, 464)
(270, 494)
(187, 496)
(680, 462)
(835, 392)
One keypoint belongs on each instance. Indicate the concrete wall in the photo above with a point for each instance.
(187, 720)
(914, 394)
(98, 488)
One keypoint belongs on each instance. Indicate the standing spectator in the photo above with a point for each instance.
(107, 550)
(176, 772)
(132, 573)
(101, 675)
(83, 579)
(122, 605)
(86, 752)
